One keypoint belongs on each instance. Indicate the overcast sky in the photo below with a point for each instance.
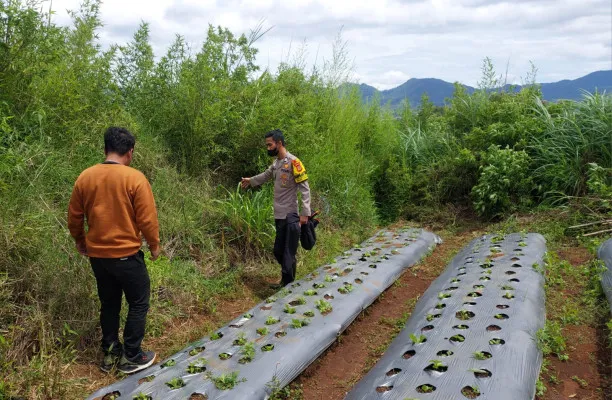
(389, 41)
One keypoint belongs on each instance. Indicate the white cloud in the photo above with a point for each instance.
(390, 40)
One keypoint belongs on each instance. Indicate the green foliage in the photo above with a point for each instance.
(504, 181)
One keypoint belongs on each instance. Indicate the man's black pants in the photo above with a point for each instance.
(115, 276)
(286, 245)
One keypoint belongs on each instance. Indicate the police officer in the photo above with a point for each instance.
(289, 176)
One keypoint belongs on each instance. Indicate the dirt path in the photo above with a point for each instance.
(365, 341)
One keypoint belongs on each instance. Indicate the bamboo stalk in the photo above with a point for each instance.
(598, 232)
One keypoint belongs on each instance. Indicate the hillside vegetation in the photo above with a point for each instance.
(199, 115)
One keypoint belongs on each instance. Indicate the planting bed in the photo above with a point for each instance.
(605, 254)
(273, 342)
(472, 334)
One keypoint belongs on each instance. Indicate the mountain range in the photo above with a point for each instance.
(438, 90)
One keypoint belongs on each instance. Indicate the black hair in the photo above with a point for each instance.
(276, 135)
(118, 140)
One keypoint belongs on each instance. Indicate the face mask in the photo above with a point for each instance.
(273, 152)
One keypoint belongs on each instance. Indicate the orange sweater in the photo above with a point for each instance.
(118, 203)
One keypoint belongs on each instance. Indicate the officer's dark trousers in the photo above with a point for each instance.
(286, 245)
(115, 276)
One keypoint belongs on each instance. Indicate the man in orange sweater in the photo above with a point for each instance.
(118, 204)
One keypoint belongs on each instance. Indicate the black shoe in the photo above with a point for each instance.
(109, 362)
(141, 361)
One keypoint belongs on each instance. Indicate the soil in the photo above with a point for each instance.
(365, 340)
(587, 375)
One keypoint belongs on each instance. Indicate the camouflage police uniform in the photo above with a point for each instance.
(289, 176)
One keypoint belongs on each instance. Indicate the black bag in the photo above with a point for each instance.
(308, 236)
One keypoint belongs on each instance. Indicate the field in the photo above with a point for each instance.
(491, 161)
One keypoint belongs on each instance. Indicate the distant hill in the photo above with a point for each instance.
(438, 90)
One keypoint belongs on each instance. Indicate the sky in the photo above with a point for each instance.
(388, 41)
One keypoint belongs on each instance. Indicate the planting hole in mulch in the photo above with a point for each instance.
(464, 315)
(510, 272)
(327, 267)
(461, 327)
(497, 342)
(111, 395)
(426, 388)
(516, 265)
(383, 389)
(267, 347)
(358, 281)
(364, 273)
(266, 308)
(438, 367)
(427, 328)
(449, 289)
(519, 250)
(474, 294)
(485, 354)
(457, 339)
(146, 379)
(393, 372)
(440, 306)
(225, 356)
(501, 316)
(469, 303)
(280, 334)
(196, 350)
(295, 303)
(445, 353)
(514, 259)
(478, 286)
(470, 392)
(503, 306)
(514, 280)
(461, 274)
(347, 271)
(483, 373)
(198, 396)
(373, 266)
(409, 354)
(485, 278)
(328, 297)
(493, 328)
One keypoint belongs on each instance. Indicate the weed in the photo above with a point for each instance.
(583, 384)
(550, 340)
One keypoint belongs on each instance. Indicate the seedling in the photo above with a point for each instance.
(470, 392)
(284, 292)
(417, 339)
(501, 316)
(329, 278)
(268, 347)
(464, 315)
(196, 350)
(169, 363)
(309, 314)
(226, 381)
(175, 383)
(438, 365)
(440, 306)
(457, 338)
(248, 353)
(141, 396)
(454, 280)
(240, 340)
(481, 355)
(496, 341)
(225, 356)
(197, 366)
(299, 323)
(319, 285)
(508, 295)
(262, 331)
(310, 292)
(271, 299)
(507, 287)
(343, 290)
(348, 286)
(145, 379)
(111, 396)
(216, 336)
(248, 316)
(425, 388)
(323, 306)
(288, 309)
(443, 295)
(429, 317)
(522, 244)
(271, 320)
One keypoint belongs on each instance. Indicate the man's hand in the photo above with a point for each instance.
(303, 220)
(245, 183)
(155, 254)
(82, 248)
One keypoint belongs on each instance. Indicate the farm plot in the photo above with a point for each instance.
(273, 342)
(472, 334)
